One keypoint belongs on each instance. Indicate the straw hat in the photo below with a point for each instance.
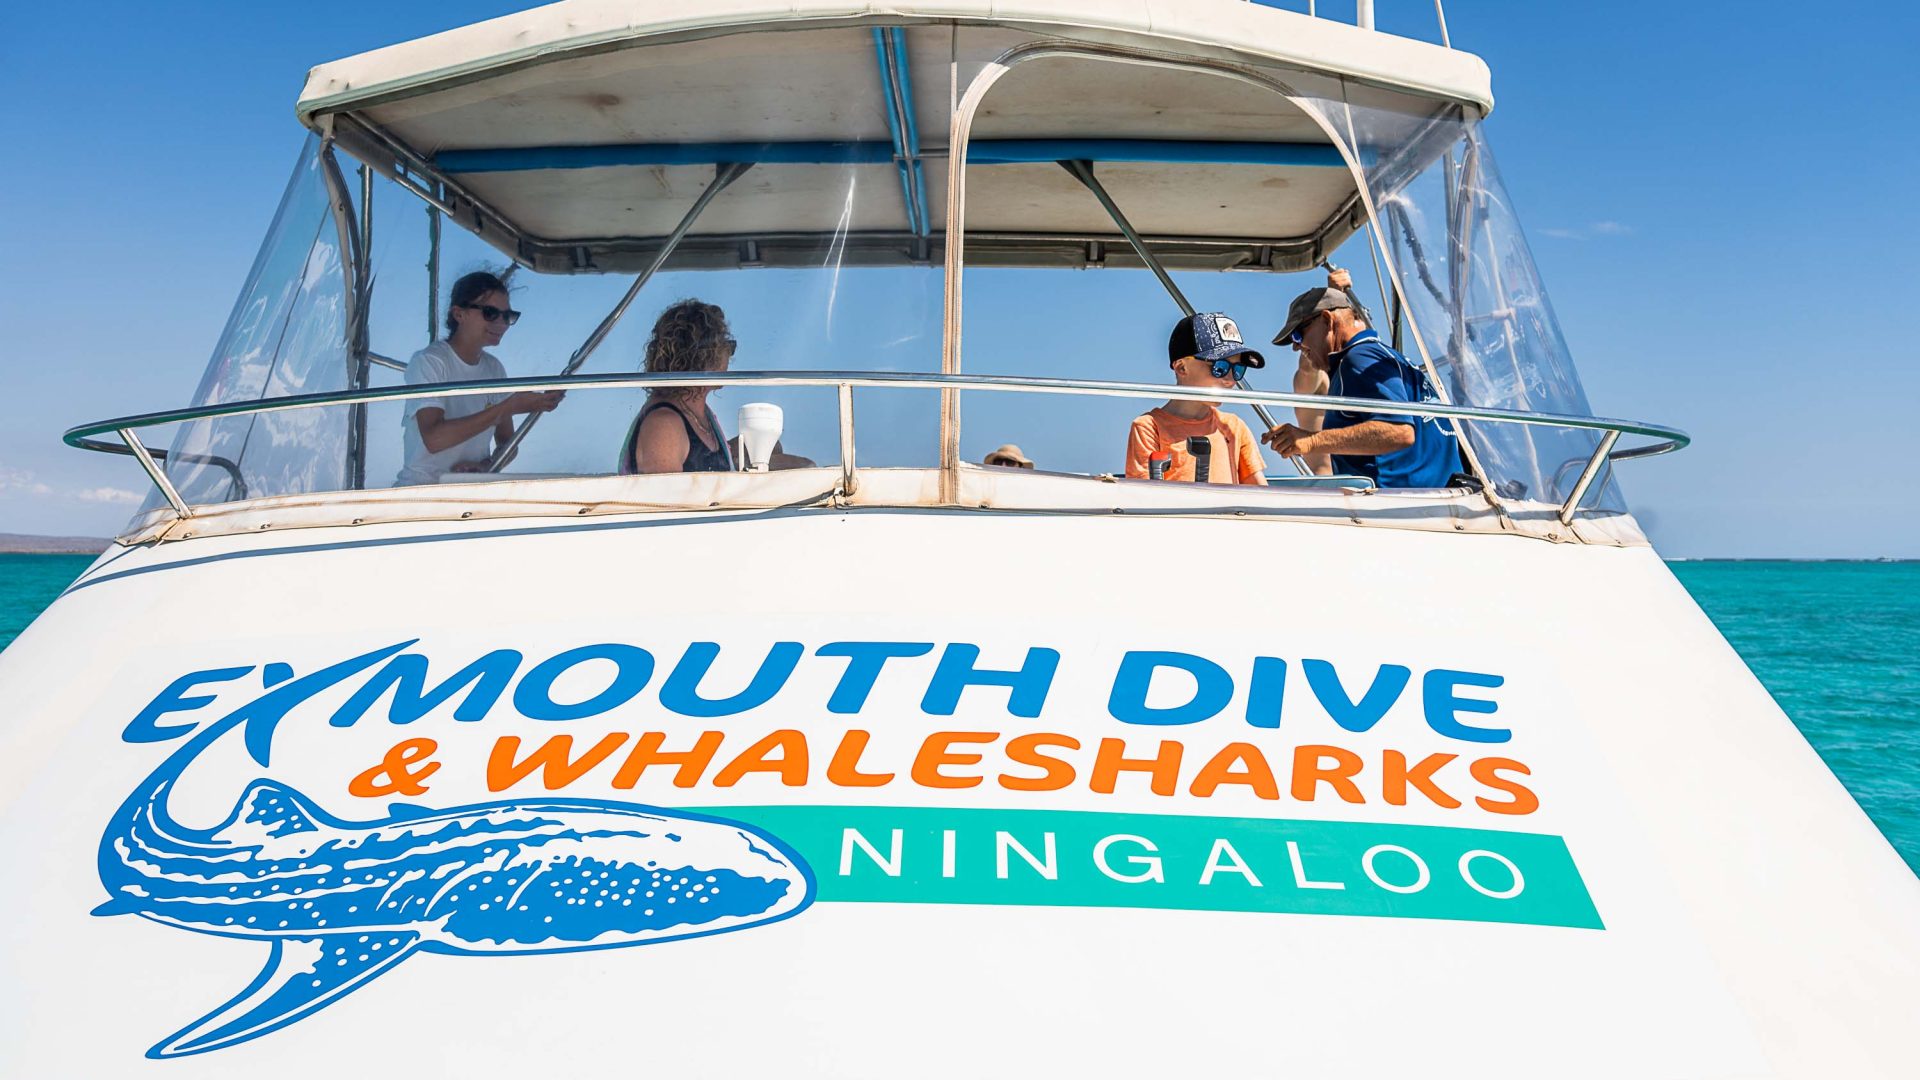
(1008, 456)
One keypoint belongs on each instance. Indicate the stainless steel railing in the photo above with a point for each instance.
(125, 427)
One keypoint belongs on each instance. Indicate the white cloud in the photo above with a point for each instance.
(22, 481)
(107, 495)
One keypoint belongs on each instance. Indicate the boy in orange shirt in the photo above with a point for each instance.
(1205, 350)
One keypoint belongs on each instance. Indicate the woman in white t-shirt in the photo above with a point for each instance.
(457, 433)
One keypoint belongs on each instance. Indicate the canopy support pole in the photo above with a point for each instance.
(352, 271)
(723, 175)
(1083, 172)
(359, 369)
(433, 270)
(890, 53)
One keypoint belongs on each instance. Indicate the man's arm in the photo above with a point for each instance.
(1369, 439)
(440, 433)
(1308, 379)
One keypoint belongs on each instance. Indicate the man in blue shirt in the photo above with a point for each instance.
(1394, 450)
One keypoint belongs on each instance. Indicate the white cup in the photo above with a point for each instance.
(759, 424)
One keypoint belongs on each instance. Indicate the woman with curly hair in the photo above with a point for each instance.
(676, 431)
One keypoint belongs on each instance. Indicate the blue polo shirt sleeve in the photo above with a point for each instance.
(1373, 371)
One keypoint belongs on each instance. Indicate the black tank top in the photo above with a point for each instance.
(699, 457)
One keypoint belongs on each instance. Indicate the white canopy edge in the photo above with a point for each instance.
(1234, 28)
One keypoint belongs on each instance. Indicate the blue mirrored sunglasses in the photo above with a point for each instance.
(1221, 368)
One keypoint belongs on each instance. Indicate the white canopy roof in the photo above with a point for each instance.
(571, 149)
(1199, 27)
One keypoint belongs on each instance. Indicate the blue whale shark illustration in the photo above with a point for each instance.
(340, 902)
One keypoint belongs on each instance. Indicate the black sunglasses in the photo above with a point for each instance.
(494, 314)
(1222, 367)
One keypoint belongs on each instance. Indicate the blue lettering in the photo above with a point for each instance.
(1362, 715)
(1027, 686)
(682, 690)
(407, 675)
(864, 661)
(534, 696)
(263, 714)
(1213, 688)
(1266, 692)
(173, 699)
(1443, 705)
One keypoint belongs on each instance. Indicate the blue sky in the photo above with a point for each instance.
(1720, 207)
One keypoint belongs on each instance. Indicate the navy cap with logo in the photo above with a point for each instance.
(1209, 335)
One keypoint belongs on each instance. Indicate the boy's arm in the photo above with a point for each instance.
(1141, 444)
(1252, 467)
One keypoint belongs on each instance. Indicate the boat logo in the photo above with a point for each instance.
(340, 902)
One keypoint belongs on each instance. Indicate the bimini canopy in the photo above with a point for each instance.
(578, 136)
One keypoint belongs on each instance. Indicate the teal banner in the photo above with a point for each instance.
(918, 855)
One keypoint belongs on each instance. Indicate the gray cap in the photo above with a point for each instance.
(1307, 305)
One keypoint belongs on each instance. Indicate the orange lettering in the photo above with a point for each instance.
(1308, 774)
(646, 751)
(844, 769)
(790, 766)
(1025, 750)
(1398, 776)
(1257, 775)
(1487, 771)
(553, 759)
(1111, 761)
(934, 754)
(396, 774)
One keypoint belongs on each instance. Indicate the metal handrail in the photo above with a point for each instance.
(1671, 439)
(226, 465)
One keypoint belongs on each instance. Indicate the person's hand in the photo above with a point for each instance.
(1340, 279)
(1288, 440)
(477, 465)
(528, 401)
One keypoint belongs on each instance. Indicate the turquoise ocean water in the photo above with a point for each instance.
(1834, 642)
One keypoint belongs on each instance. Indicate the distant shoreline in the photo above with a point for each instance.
(1875, 560)
(23, 544)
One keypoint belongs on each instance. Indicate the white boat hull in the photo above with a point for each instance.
(1646, 869)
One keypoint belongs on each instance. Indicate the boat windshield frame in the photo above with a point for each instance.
(418, 177)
